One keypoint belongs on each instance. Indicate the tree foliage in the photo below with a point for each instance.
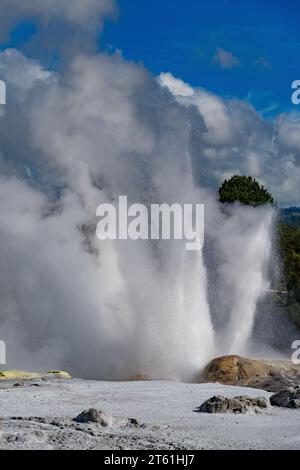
(246, 190)
(289, 237)
(289, 243)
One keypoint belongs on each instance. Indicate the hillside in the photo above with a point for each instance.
(291, 215)
(289, 240)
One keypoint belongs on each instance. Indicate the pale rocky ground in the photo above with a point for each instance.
(39, 415)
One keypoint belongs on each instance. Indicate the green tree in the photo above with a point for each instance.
(246, 190)
(289, 243)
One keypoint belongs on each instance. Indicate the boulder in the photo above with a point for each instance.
(287, 398)
(232, 370)
(271, 375)
(237, 405)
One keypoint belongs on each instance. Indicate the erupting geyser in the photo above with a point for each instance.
(245, 244)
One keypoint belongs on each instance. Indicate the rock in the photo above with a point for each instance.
(232, 370)
(133, 422)
(138, 378)
(287, 398)
(94, 416)
(270, 375)
(26, 437)
(57, 374)
(99, 417)
(18, 375)
(24, 375)
(239, 404)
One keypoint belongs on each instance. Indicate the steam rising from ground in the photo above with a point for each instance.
(243, 247)
(103, 128)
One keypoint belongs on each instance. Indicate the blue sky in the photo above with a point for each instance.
(235, 48)
(261, 40)
(182, 37)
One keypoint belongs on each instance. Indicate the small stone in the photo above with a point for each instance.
(133, 422)
(94, 416)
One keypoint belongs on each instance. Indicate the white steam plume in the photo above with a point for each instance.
(243, 245)
(106, 309)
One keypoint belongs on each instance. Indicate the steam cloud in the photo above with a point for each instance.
(104, 127)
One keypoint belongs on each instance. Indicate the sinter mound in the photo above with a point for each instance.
(267, 374)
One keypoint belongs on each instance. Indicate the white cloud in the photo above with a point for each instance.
(21, 72)
(87, 14)
(238, 140)
(176, 86)
(68, 26)
(225, 59)
(289, 131)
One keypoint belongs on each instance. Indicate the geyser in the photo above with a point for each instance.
(117, 308)
(244, 250)
(101, 309)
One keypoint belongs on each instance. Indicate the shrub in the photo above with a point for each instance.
(246, 190)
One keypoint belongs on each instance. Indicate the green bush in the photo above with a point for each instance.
(246, 190)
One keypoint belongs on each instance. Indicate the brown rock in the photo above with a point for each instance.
(235, 370)
(267, 374)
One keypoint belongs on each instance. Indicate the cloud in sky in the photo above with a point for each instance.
(225, 59)
(87, 14)
(264, 62)
(238, 140)
(178, 87)
(66, 25)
